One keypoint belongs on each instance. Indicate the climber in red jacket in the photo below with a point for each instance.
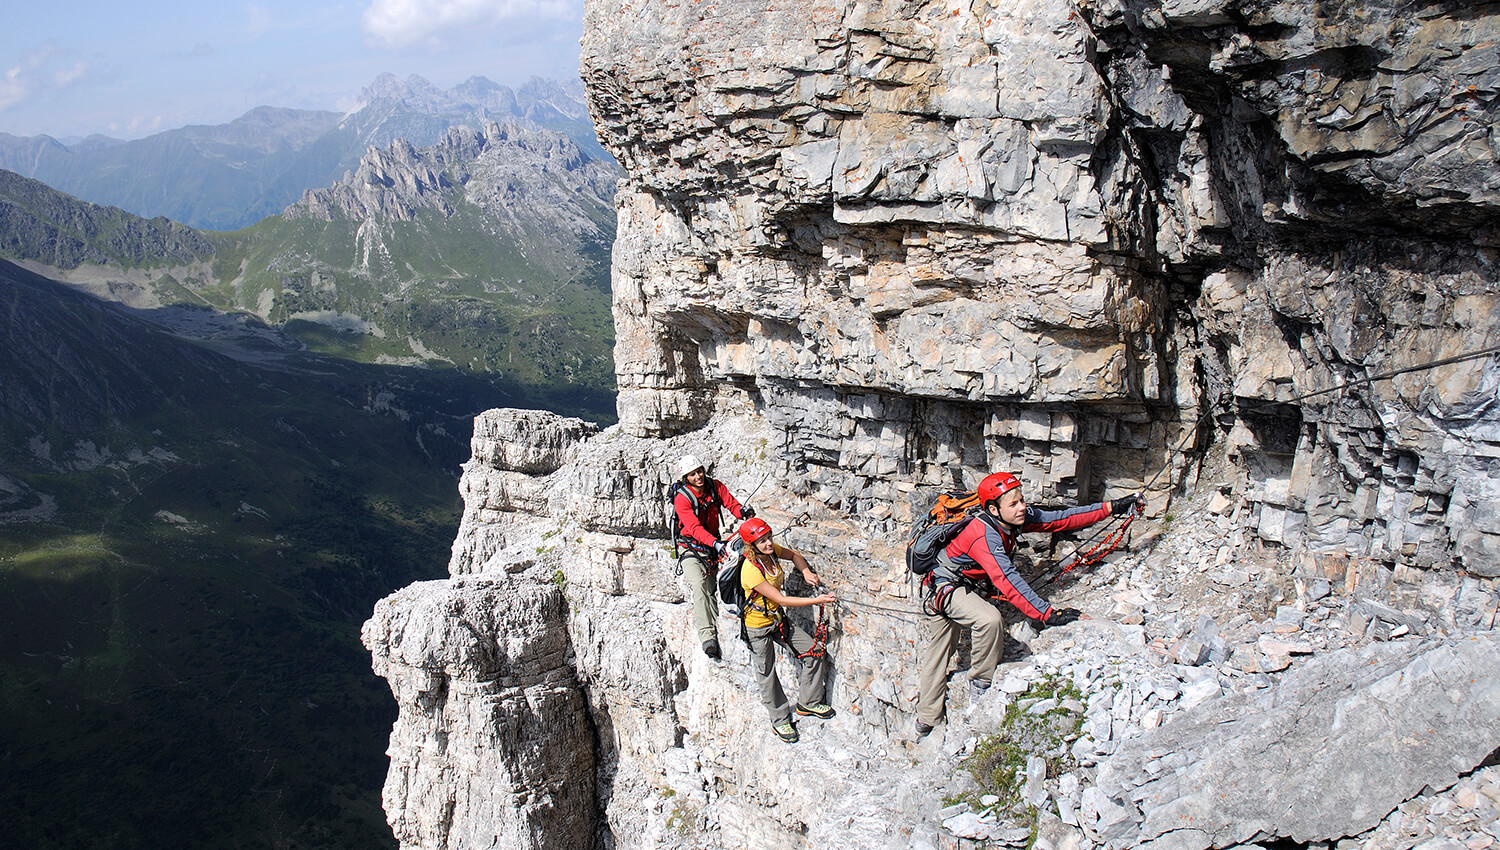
(975, 568)
(697, 500)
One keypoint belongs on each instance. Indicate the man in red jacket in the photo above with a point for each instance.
(697, 501)
(976, 567)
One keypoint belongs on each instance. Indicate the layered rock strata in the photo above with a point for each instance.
(1054, 237)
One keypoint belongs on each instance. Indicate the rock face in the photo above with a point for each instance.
(482, 674)
(869, 251)
(1330, 719)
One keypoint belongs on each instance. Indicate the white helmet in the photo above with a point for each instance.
(687, 464)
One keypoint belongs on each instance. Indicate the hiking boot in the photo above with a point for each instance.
(820, 710)
(977, 690)
(786, 732)
(711, 649)
(923, 729)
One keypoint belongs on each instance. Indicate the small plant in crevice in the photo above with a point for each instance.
(683, 819)
(968, 798)
(998, 763)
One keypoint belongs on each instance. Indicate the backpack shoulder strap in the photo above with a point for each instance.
(710, 491)
(995, 523)
(680, 487)
(754, 599)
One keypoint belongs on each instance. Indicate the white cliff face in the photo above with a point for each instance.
(553, 693)
(481, 669)
(945, 232)
(868, 251)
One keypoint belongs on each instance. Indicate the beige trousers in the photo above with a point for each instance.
(812, 673)
(701, 579)
(965, 609)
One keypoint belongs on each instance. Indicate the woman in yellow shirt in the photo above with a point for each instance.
(761, 576)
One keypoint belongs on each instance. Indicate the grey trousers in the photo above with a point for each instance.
(701, 578)
(966, 610)
(812, 673)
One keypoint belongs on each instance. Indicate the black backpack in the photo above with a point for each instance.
(731, 592)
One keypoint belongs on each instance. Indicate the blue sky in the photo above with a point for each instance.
(130, 69)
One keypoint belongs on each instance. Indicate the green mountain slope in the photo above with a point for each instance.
(487, 253)
(188, 545)
(41, 224)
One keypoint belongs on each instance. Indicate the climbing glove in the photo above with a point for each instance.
(721, 548)
(1124, 504)
(747, 512)
(1063, 616)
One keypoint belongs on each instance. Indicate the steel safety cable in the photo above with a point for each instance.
(1212, 411)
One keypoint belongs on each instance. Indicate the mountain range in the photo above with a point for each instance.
(230, 176)
(487, 252)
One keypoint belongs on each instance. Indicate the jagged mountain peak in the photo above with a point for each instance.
(414, 89)
(476, 94)
(518, 163)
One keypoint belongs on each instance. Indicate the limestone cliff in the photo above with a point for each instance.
(869, 250)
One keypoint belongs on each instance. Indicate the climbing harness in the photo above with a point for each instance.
(674, 529)
(935, 595)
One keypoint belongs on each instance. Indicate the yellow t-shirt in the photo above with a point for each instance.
(751, 576)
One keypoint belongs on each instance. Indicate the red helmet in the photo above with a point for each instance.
(753, 530)
(996, 485)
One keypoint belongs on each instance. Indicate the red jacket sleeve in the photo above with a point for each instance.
(1065, 520)
(729, 500)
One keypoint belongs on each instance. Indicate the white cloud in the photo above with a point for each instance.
(30, 75)
(401, 23)
(12, 88)
(141, 125)
(71, 75)
(259, 20)
(138, 125)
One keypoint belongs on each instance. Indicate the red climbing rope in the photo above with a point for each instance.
(819, 647)
(1099, 551)
(1109, 544)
